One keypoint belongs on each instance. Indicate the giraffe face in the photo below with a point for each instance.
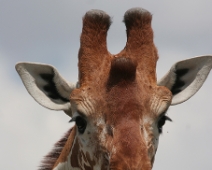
(120, 124)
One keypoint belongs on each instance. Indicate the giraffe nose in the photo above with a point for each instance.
(136, 162)
(129, 168)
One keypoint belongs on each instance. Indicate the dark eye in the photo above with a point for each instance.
(162, 122)
(81, 124)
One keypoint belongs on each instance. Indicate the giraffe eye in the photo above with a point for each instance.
(81, 124)
(162, 122)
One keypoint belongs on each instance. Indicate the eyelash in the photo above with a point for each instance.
(80, 122)
(162, 122)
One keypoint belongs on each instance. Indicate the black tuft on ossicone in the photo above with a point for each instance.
(98, 16)
(137, 17)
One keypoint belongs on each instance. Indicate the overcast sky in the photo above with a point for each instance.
(48, 31)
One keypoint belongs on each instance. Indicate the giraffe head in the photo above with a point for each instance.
(118, 100)
(118, 106)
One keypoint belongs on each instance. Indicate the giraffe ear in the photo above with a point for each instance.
(186, 77)
(46, 86)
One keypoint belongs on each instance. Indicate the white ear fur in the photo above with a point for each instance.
(46, 85)
(186, 77)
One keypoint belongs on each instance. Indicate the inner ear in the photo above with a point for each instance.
(179, 83)
(50, 88)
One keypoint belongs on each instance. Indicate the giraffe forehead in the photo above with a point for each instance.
(127, 96)
(123, 88)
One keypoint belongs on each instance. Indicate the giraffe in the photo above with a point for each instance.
(118, 105)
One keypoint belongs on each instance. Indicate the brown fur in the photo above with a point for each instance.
(122, 70)
(93, 49)
(119, 90)
(124, 110)
(140, 45)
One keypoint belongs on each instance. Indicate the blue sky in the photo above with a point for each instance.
(48, 31)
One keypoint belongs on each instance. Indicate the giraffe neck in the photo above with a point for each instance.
(63, 161)
(76, 154)
(59, 153)
(85, 155)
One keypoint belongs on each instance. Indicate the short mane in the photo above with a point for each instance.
(51, 158)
